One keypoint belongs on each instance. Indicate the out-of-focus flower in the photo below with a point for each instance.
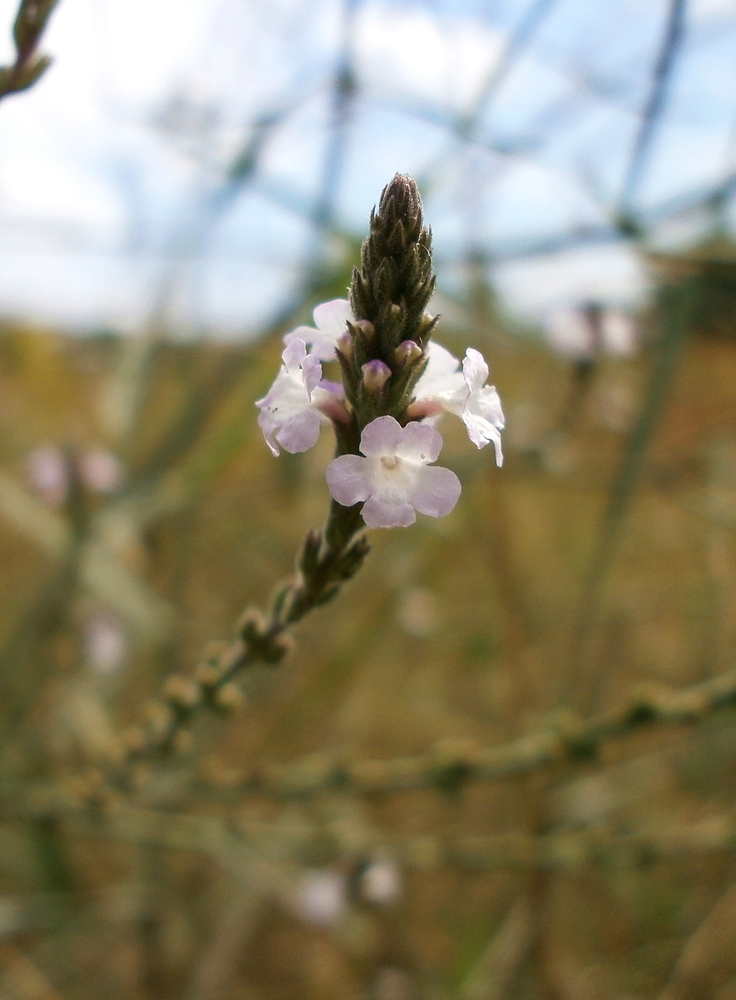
(394, 478)
(585, 331)
(101, 471)
(48, 473)
(330, 320)
(418, 612)
(105, 643)
(289, 411)
(619, 332)
(444, 386)
(380, 882)
(321, 897)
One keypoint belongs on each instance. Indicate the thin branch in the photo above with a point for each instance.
(450, 765)
(256, 851)
(516, 45)
(679, 309)
(28, 68)
(671, 42)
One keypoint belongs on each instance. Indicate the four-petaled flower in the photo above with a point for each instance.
(289, 414)
(394, 478)
(443, 386)
(330, 319)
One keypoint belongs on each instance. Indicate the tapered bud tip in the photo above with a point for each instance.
(345, 345)
(366, 328)
(408, 351)
(427, 324)
(375, 375)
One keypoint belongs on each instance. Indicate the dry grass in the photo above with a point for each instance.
(461, 629)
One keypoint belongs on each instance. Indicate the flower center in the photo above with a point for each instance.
(390, 462)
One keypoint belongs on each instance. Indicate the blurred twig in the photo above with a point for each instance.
(264, 854)
(709, 957)
(452, 764)
(328, 558)
(21, 979)
(99, 568)
(673, 35)
(679, 306)
(492, 977)
(30, 23)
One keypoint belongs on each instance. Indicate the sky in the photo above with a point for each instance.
(117, 202)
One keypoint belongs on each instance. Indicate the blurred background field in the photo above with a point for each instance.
(141, 512)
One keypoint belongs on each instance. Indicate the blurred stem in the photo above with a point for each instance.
(327, 560)
(22, 663)
(679, 305)
(30, 23)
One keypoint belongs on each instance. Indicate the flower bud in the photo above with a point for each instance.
(426, 324)
(421, 408)
(345, 345)
(207, 675)
(230, 698)
(375, 375)
(408, 351)
(366, 328)
(182, 692)
(159, 719)
(328, 399)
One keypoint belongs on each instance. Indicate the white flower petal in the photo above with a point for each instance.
(481, 433)
(300, 432)
(330, 319)
(348, 480)
(294, 354)
(381, 436)
(442, 381)
(421, 443)
(312, 373)
(475, 369)
(287, 414)
(384, 512)
(435, 492)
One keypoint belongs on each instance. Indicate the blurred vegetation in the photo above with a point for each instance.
(599, 562)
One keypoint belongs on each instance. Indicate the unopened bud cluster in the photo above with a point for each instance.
(395, 378)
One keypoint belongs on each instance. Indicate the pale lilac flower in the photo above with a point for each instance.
(330, 320)
(48, 473)
(288, 412)
(443, 386)
(619, 333)
(101, 471)
(321, 897)
(570, 332)
(394, 479)
(481, 412)
(380, 882)
(441, 379)
(105, 642)
(582, 332)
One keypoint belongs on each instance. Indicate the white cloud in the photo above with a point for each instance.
(438, 58)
